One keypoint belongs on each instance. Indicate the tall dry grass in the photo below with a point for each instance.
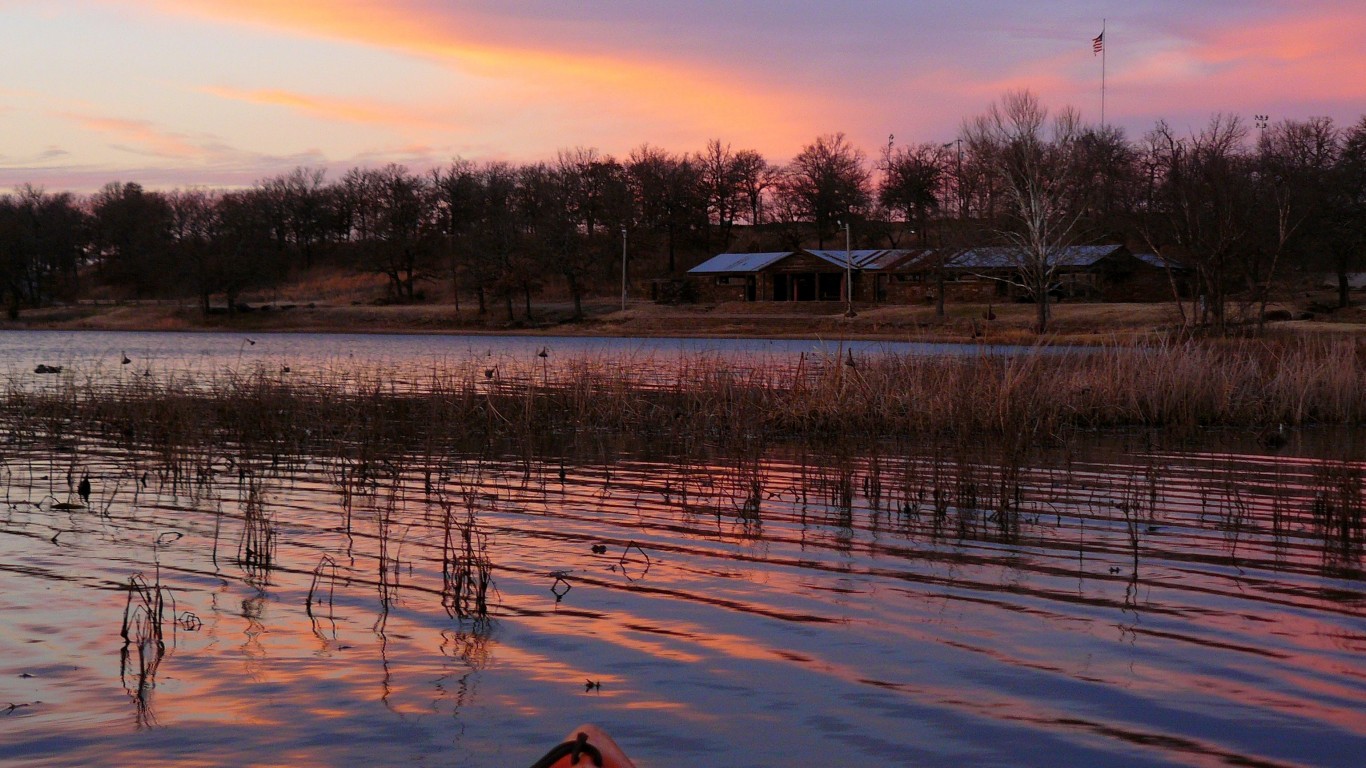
(703, 401)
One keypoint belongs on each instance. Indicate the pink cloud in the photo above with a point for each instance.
(139, 137)
(518, 81)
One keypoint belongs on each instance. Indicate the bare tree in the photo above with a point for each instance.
(402, 207)
(301, 210)
(914, 184)
(42, 237)
(719, 182)
(456, 195)
(240, 256)
(755, 176)
(827, 182)
(1294, 165)
(194, 225)
(131, 237)
(1346, 226)
(595, 201)
(501, 238)
(1202, 201)
(1035, 161)
(552, 238)
(669, 197)
(1110, 167)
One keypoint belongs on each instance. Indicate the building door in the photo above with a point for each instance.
(830, 286)
(781, 288)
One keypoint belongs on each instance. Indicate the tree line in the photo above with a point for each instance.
(1240, 205)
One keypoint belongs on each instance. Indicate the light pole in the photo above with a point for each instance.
(848, 275)
(958, 181)
(623, 267)
(962, 215)
(958, 173)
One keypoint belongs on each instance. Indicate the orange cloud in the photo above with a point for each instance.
(329, 109)
(690, 98)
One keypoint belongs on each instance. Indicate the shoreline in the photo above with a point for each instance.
(1072, 324)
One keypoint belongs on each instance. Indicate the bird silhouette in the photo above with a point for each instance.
(849, 361)
(543, 353)
(126, 361)
(84, 490)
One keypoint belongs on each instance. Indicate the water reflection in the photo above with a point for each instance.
(405, 360)
(1110, 600)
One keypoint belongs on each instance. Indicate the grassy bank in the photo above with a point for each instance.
(346, 303)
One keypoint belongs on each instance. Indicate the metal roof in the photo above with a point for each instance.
(1355, 281)
(1161, 262)
(920, 259)
(1008, 257)
(739, 262)
(877, 258)
(889, 259)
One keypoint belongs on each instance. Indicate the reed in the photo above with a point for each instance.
(146, 613)
(466, 568)
(1030, 397)
(256, 547)
(1338, 505)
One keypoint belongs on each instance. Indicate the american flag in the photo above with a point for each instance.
(1098, 43)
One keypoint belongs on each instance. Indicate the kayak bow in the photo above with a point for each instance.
(587, 745)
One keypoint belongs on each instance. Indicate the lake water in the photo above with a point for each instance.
(84, 353)
(1150, 603)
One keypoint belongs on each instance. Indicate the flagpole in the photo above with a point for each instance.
(1103, 46)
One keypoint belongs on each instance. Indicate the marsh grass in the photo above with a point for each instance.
(144, 613)
(1338, 505)
(147, 612)
(980, 422)
(466, 568)
(1014, 400)
(256, 547)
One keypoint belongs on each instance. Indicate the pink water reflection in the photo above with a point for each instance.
(713, 626)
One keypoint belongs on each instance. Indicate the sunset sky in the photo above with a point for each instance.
(225, 92)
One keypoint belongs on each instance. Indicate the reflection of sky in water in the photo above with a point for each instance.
(883, 634)
(101, 353)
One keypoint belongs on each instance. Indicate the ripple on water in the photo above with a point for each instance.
(1222, 627)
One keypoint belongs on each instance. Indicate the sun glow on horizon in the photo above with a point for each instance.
(213, 91)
